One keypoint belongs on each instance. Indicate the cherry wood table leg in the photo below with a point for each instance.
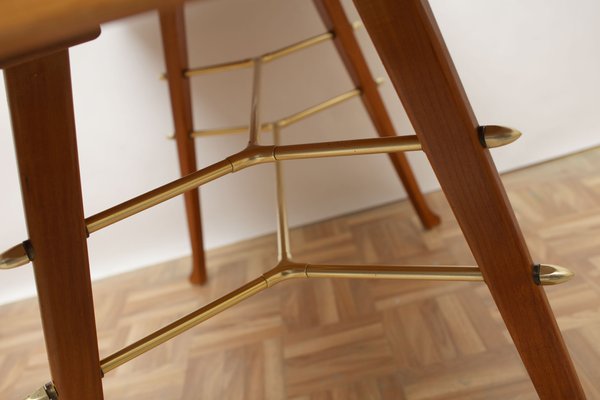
(41, 106)
(172, 26)
(333, 16)
(412, 49)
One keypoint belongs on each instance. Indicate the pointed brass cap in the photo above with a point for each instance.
(14, 257)
(496, 136)
(553, 274)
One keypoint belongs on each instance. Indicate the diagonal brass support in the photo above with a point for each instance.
(285, 121)
(286, 270)
(267, 57)
(253, 155)
(255, 125)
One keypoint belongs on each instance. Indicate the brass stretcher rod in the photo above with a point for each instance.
(255, 124)
(284, 252)
(288, 269)
(21, 254)
(267, 57)
(283, 122)
(549, 274)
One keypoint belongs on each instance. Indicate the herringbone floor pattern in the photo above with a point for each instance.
(325, 339)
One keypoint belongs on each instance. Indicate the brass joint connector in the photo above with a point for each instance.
(285, 270)
(252, 155)
(492, 136)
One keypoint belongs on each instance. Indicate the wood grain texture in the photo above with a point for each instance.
(28, 26)
(410, 45)
(172, 24)
(319, 339)
(333, 16)
(41, 106)
(50, 48)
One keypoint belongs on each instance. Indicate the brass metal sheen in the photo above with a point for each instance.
(283, 122)
(412, 272)
(347, 148)
(318, 108)
(252, 155)
(266, 127)
(286, 121)
(181, 325)
(255, 125)
(14, 257)
(223, 67)
(267, 57)
(283, 231)
(158, 195)
(496, 135)
(554, 274)
(286, 270)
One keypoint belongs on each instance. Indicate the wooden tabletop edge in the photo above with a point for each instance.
(28, 27)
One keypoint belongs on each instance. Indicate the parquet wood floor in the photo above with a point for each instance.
(329, 340)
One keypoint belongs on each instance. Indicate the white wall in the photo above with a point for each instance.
(532, 65)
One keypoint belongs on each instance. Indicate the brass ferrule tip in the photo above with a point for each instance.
(14, 257)
(495, 136)
(548, 274)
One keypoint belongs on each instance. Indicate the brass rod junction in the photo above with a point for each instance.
(289, 270)
(285, 121)
(494, 135)
(267, 57)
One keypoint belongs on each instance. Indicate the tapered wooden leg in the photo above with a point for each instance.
(334, 17)
(411, 47)
(174, 43)
(41, 106)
